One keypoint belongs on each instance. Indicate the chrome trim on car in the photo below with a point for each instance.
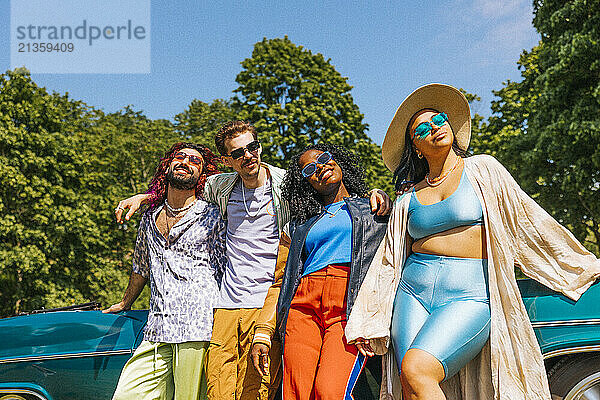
(571, 350)
(69, 355)
(22, 391)
(587, 388)
(570, 322)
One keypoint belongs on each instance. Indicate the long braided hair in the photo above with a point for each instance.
(304, 201)
(159, 184)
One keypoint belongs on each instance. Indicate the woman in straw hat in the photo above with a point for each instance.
(442, 284)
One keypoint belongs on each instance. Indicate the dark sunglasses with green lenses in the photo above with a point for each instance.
(252, 147)
(424, 128)
(310, 168)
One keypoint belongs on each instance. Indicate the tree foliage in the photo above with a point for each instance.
(200, 121)
(546, 128)
(63, 167)
(48, 236)
(295, 98)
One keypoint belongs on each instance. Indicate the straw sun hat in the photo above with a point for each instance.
(437, 96)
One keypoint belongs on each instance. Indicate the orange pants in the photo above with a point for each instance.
(318, 363)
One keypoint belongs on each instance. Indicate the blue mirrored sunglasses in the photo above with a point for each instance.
(424, 128)
(310, 168)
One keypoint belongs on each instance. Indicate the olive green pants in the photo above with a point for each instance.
(164, 371)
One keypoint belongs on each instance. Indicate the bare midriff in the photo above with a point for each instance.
(462, 241)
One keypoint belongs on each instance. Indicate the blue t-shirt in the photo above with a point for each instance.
(329, 241)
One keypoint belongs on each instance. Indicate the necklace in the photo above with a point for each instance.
(332, 214)
(439, 179)
(178, 210)
(244, 197)
(175, 217)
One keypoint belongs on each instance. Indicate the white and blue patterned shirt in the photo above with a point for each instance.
(183, 273)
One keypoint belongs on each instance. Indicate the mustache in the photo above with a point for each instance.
(182, 166)
(250, 161)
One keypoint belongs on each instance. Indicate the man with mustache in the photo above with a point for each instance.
(250, 201)
(180, 249)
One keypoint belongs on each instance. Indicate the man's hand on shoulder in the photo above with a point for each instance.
(131, 205)
(380, 202)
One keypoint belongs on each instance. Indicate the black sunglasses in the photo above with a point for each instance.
(310, 168)
(252, 147)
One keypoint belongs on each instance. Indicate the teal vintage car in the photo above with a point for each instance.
(74, 354)
(66, 353)
(569, 335)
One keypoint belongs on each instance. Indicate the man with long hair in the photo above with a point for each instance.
(180, 248)
(250, 200)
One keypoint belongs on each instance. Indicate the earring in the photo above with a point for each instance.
(419, 154)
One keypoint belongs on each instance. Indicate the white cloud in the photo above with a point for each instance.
(504, 28)
(499, 8)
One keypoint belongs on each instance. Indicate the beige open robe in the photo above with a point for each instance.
(518, 230)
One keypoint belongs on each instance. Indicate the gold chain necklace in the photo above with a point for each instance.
(439, 179)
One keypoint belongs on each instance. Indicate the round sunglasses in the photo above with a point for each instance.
(310, 168)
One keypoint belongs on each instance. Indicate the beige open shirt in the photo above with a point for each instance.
(518, 230)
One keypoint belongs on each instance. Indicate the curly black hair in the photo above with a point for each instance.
(303, 199)
(413, 169)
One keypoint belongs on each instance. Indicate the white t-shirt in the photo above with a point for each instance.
(252, 241)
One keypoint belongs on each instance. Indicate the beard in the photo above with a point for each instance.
(181, 182)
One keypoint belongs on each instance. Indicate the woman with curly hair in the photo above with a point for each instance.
(441, 289)
(331, 240)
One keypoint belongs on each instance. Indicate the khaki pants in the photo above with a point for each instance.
(164, 371)
(231, 374)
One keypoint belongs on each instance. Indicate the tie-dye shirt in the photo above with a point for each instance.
(183, 272)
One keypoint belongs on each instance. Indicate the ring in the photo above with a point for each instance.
(119, 208)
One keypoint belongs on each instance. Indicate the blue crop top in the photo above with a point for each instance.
(329, 240)
(462, 208)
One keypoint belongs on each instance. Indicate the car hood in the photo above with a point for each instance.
(69, 332)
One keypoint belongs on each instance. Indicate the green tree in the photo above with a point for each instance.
(296, 98)
(546, 128)
(200, 121)
(121, 151)
(48, 238)
(501, 135)
(63, 165)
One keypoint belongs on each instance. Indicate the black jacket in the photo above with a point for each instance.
(367, 232)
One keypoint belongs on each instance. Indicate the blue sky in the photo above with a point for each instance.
(386, 49)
